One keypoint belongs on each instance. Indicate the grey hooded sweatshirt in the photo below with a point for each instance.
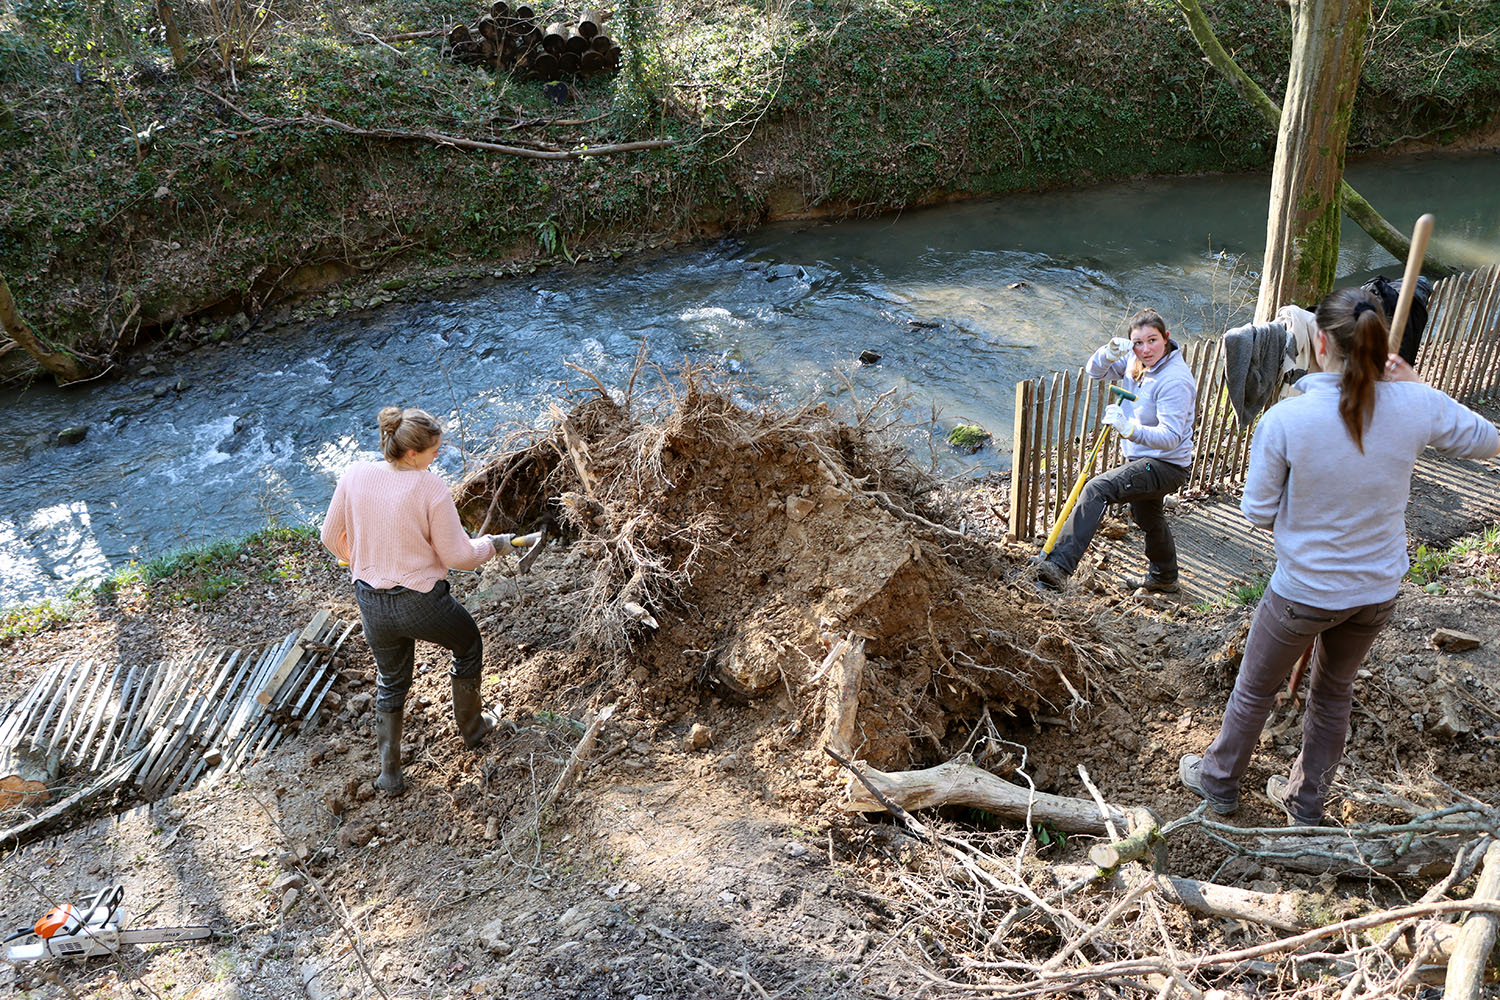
(1167, 395)
(1340, 514)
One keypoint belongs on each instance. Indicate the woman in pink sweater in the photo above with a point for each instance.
(394, 522)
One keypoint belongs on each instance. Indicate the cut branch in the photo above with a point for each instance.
(439, 138)
(366, 38)
(1476, 939)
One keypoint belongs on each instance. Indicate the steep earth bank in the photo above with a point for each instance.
(147, 195)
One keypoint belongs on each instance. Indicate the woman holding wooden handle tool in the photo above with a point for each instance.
(1157, 427)
(1330, 472)
(395, 524)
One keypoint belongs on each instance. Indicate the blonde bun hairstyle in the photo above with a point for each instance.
(404, 431)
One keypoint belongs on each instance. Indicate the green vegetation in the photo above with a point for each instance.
(197, 576)
(141, 192)
(29, 619)
(1239, 595)
(1471, 558)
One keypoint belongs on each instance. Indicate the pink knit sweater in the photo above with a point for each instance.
(398, 527)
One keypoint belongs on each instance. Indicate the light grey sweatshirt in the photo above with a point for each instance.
(1339, 515)
(1167, 395)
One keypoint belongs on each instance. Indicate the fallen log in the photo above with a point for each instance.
(960, 782)
(66, 808)
(1475, 940)
(438, 138)
(1422, 848)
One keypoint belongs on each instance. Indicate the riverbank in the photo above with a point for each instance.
(702, 842)
(151, 196)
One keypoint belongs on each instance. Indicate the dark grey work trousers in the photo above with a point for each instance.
(394, 618)
(1279, 633)
(1142, 483)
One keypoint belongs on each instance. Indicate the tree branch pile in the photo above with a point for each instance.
(981, 915)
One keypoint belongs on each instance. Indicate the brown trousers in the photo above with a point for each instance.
(1281, 630)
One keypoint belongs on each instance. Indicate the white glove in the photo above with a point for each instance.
(1116, 418)
(1118, 348)
(509, 543)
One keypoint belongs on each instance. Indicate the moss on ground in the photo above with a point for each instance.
(136, 196)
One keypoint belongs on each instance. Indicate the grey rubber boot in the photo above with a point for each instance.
(388, 737)
(474, 724)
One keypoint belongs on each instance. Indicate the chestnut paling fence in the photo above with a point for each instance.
(1058, 414)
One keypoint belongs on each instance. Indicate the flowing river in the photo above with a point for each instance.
(960, 302)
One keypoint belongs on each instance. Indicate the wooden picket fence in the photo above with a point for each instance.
(1058, 414)
(1460, 352)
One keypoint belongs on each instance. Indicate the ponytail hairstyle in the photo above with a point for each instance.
(1354, 321)
(1146, 317)
(403, 431)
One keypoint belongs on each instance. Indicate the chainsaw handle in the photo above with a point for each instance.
(93, 911)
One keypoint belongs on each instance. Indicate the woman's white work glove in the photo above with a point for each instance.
(510, 543)
(501, 543)
(1116, 418)
(1118, 348)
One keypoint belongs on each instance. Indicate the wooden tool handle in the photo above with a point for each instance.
(1419, 236)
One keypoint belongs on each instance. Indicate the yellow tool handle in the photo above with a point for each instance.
(1083, 475)
(1067, 508)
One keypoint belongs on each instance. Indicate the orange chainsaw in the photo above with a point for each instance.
(95, 926)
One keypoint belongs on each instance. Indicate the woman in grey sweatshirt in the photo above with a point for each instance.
(1157, 428)
(1330, 474)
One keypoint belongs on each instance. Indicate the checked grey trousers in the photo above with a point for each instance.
(1142, 483)
(1279, 633)
(394, 618)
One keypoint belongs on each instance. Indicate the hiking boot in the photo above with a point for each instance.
(1048, 573)
(1276, 786)
(1151, 585)
(1190, 770)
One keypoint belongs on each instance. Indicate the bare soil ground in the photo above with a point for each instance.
(713, 861)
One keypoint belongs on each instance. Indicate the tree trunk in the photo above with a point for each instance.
(63, 366)
(1302, 229)
(1359, 211)
(174, 40)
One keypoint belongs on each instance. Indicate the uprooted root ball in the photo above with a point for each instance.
(729, 548)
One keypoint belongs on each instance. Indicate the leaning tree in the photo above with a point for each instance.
(65, 367)
(1356, 207)
(1302, 227)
